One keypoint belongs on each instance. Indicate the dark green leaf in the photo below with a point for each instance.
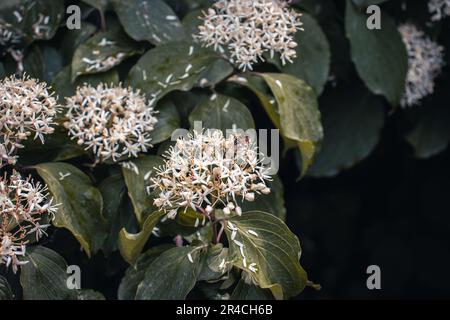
(100, 5)
(74, 38)
(135, 274)
(64, 87)
(41, 18)
(137, 184)
(379, 55)
(102, 52)
(212, 269)
(169, 67)
(365, 3)
(2, 71)
(272, 203)
(116, 209)
(81, 204)
(151, 20)
(191, 22)
(33, 64)
(57, 147)
(215, 73)
(5, 289)
(352, 125)
(244, 291)
(431, 132)
(88, 294)
(44, 277)
(313, 61)
(172, 275)
(223, 113)
(53, 62)
(168, 121)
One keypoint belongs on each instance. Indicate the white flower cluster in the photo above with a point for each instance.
(23, 204)
(26, 107)
(425, 61)
(112, 121)
(439, 9)
(251, 27)
(206, 170)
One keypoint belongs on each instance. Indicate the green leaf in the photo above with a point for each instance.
(172, 275)
(64, 87)
(102, 52)
(134, 275)
(151, 20)
(53, 62)
(352, 124)
(272, 203)
(299, 114)
(245, 291)
(5, 289)
(212, 270)
(80, 209)
(192, 21)
(169, 67)
(365, 3)
(223, 113)
(258, 87)
(274, 250)
(100, 5)
(131, 245)
(41, 18)
(33, 63)
(379, 55)
(137, 184)
(2, 71)
(74, 38)
(168, 121)
(57, 147)
(215, 73)
(44, 277)
(431, 132)
(313, 61)
(116, 210)
(88, 294)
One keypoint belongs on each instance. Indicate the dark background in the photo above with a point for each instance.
(390, 210)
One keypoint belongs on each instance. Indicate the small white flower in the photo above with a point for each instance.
(111, 121)
(425, 61)
(27, 108)
(205, 171)
(23, 204)
(248, 28)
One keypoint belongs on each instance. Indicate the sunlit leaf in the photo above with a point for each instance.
(268, 247)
